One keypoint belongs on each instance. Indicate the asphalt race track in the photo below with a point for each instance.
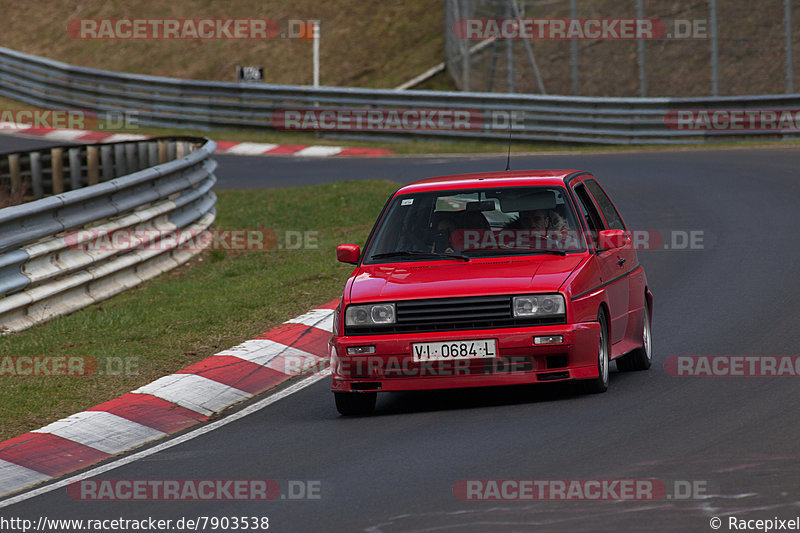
(736, 439)
(13, 143)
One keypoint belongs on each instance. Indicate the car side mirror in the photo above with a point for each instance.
(612, 238)
(348, 253)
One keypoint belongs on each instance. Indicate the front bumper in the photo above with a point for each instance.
(518, 360)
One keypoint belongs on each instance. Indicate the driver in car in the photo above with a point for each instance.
(537, 219)
(441, 237)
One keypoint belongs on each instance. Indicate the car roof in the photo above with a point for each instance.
(479, 180)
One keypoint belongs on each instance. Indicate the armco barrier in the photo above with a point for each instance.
(151, 187)
(173, 102)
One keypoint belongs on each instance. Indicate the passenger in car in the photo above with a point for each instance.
(537, 219)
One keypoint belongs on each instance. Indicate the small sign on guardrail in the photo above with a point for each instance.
(249, 74)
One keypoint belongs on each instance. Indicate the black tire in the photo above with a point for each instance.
(600, 383)
(640, 358)
(355, 403)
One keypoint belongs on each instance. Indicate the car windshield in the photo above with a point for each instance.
(476, 223)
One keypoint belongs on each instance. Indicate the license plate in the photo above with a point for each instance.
(450, 350)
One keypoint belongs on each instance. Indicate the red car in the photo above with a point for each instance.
(490, 279)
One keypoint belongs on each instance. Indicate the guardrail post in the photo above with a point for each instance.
(179, 149)
(92, 165)
(75, 168)
(143, 159)
(130, 158)
(15, 174)
(107, 162)
(152, 154)
(119, 160)
(36, 174)
(57, 167)
(171, 150)
(162, 152)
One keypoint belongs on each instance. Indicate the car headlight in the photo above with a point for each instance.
(369, 315)
(535, 305)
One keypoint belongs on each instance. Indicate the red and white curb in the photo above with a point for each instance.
(223, 147)
(169, 404)
(246, 148)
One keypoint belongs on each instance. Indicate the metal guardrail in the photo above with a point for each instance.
(55, 255)
(204, 105)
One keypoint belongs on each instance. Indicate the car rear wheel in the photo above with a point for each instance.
(355, 403)
(600, 384)
(641, 358)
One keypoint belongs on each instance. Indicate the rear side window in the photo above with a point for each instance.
(609, 212)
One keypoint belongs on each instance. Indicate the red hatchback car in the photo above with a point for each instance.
(490, 279)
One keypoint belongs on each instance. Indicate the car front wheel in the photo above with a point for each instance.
(600, 384)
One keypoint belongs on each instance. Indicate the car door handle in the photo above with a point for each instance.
(621, 261)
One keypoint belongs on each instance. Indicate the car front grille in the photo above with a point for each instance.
(450, 314)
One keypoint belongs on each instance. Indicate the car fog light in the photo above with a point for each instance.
(547, 339)
(360, 350)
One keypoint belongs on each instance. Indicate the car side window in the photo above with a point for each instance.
(588, 210)
(613, 219)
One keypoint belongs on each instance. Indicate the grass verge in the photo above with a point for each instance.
(215, 301)
(362, 44)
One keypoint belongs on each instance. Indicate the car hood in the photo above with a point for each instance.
(444, 279)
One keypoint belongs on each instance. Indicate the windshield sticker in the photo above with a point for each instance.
(407, 201)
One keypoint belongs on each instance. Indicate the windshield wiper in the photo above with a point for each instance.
(410, 253)
(532, 251)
